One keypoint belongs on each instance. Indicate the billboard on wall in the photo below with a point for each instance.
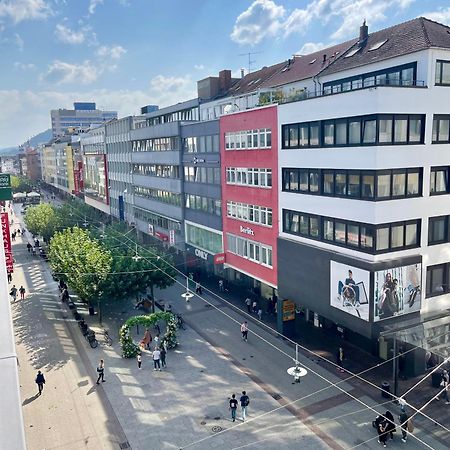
(7, 242)
(397, 291)
(349, 289)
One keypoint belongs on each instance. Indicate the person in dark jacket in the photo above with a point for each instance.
(403, 419)
(382, 431)
(391, 429)
(40, 381)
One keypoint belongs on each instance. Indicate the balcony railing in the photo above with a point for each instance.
(278, 96)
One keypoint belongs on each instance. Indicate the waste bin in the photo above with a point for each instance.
(436, 378)
(91, 311)
(385, 390)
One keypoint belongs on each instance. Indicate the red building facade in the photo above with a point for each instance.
(249, 155)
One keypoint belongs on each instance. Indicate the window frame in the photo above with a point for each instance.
(441, 62)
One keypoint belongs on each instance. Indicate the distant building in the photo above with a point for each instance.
(80, 118)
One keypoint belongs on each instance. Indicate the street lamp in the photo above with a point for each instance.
(297, 372)
(188, 294)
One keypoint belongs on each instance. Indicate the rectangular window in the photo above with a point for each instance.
(340, 183)
(369, 131)
(385, 131)
(382, 238)
(443, 73)
(328, 183)
(438, 230)
(401, 130)
(354, 132)
(415, 129)
(328, 133)
(383, 186)
(441, 128)
(354, 185)
(314, 134)
(397, 236)
(293, 136)
(437, 280)
(368, 186)
(439, 180)
(398, 184)
(328, 230)
(339, 232)
(411, 235)
(366, 237)
(304, 135)
(341, 133)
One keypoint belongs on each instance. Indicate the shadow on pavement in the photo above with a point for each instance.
(30, 399)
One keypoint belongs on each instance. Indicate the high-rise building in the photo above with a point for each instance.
(81, 117)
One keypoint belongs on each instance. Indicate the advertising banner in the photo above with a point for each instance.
(288, 310)
(219, 258)
(7, 242)
(171, 237)
(397, 291)
(349, 289)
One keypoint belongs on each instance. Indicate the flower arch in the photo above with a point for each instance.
(130, 349)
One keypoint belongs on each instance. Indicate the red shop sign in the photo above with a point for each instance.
(7, 242)
(161, 236)
(219, 258)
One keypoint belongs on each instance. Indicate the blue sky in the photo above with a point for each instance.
(124, 54)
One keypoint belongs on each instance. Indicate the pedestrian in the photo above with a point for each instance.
(13, 236)
(248, 302)
(391, 428)
(403, 419)
(40, 381)
(65, 295)
(13, 293)
(29, 247)
(101, 371)
(22, 292)
(340, 359)
(245, 401)
(198, 288)
(255, 307)
(260, 313)
(9, 277)
(382, 432)
(163, 356)
(156, 358)
(33, 251)
(244, 331)
(220, 285)
(23, 231)
(233, 407)
(444, 387)
(139, 360)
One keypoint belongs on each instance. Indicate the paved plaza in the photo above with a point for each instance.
(186, 405)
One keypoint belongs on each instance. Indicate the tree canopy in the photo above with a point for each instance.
(20, 184)
(42, 220)
(81, 261)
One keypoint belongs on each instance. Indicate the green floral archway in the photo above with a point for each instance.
(130, 349)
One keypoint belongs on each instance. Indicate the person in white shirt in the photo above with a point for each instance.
(156, 358)
(244, 331)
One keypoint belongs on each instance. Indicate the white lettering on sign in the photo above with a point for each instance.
(201, 254)
(247, 230)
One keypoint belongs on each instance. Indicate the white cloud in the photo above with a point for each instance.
(441, 15)
(20, 10)
(311, 47)
(114, 52)
(199, 67)
(68, 36)
(262, 19)
(18, 41)
(93, 5)
(24, 66)
(61, 72)
(33, 107)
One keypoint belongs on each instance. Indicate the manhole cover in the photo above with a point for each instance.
(124, 445)
(216, 428)
(275, 395)
(202, 422)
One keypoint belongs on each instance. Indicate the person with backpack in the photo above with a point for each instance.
(40, 381)
(101, 372)
(13, 293)
(22, 293)
(244, 331)
(403, 419)
(245, 401)
(233, 407)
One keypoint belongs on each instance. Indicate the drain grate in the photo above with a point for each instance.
(275, 395)
(216, 428)
(124, 445)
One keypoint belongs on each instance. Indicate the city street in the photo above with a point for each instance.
(186, 405)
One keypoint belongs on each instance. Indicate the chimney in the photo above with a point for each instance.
(224, 80)
(324, 57)
(363, 32)
(242, 73)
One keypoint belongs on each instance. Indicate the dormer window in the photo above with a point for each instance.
(377, 45)
(353, 52)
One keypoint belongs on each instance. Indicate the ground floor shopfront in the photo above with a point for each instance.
(348, 297)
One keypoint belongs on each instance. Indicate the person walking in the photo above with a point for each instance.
(248, 302)
(382, 432)
(139, 360)
(22, 293)
(13, 236)
(13, 293)
(390, 424)
(244, 331)
(444, 387)
(198, 288)
(233, 407)
(163, 356)
(255, 307)
(403, 419)
(101, 371)
(9, 277)
(340, 359)
(260, 313)
(40, 381)
(156, 359)
(245, 401)
(29, 247)
(220, 285)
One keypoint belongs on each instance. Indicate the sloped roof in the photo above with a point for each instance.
(306, 66)
(254, 80)
(402, 39)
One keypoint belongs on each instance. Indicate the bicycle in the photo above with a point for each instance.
(90, 337)
(180, 322)
(107, 338)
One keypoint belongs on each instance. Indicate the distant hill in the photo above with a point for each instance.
(41, 138)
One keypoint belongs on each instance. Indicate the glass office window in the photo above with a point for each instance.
(369, 131)
(339, 232)
(366, 237)
(397, 236)
(293, 136)
(340, 183)
(328, 133)
(353, 235)
(304, 135)
(353, 185)
(401, 130)
(382, 238)
(413, 183)
(354, 132)
(383, 186)
(341, 133)
(368, 186)
(385, 130)
(314, 134)
(398, 184)
(328, 230)
(415, 129)
(328, 183)
(411, 237)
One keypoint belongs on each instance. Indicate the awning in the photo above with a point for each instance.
(432, 335)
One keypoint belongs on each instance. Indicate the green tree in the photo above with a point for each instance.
(135, 269)
(21, 184)
(42, 220)
(82, 262)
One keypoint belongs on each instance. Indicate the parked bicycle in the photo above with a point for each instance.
(107, 338)
(90, 337)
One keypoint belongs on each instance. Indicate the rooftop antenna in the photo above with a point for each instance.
(250, 60)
